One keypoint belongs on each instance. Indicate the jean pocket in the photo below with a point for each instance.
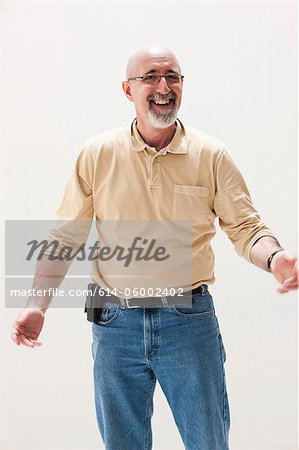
(202, 306)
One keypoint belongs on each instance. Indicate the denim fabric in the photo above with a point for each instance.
(182, 348)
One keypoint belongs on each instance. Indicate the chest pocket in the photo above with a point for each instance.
(190, 203)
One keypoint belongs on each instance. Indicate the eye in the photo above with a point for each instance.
(172, 78)
(150, 78)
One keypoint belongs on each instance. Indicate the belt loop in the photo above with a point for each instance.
(164, 301)
(122, 303)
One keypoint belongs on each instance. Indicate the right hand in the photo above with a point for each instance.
(27, 327)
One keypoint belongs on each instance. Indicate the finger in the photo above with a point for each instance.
(15, 335)
(291, 279)
(282, 291)
(35, 341)
(25, 341)
(290, 283)
(292, 286)
(15, 338)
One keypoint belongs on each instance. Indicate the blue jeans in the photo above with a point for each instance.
(182, 348)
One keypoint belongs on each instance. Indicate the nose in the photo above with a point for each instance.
(162, 86)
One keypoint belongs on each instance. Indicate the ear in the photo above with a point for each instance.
(127, 90)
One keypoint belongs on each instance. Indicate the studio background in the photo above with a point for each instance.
(62, 67)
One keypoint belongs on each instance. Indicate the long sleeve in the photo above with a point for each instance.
(233, 205)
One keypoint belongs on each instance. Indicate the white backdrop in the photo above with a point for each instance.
(62, 67)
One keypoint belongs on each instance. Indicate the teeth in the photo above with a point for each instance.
(162, 102)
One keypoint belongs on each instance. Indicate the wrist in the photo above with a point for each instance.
(270, 259)
(36, 306)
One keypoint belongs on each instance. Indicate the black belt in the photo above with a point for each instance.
(95, 300)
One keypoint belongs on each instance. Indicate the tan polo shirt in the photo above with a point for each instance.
(118, 177)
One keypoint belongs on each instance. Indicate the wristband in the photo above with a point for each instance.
(269, 260)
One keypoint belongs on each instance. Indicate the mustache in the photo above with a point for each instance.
(170, 96)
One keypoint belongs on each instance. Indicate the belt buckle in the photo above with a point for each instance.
(128, 304)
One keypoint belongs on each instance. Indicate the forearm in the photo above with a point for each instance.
(262, 249)
(49, 274)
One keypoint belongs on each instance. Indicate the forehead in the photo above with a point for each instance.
(158, 63)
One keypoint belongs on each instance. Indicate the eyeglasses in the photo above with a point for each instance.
(155, 78)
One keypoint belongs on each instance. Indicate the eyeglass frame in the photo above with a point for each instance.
(180, 77)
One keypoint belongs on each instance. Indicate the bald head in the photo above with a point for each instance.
(144, 55)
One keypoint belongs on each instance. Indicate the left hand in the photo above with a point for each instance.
(284, 267)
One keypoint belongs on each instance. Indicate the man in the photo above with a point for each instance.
(159, 170)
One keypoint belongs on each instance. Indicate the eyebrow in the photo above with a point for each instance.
(155, 71)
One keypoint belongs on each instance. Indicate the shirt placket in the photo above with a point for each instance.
(154, 169)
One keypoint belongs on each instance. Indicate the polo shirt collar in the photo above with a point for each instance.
(178, 144)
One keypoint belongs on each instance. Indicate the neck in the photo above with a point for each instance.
(156, 137)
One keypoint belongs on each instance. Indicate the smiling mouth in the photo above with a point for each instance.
(162, 103)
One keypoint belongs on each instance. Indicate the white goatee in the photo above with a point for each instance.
(162, 119)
